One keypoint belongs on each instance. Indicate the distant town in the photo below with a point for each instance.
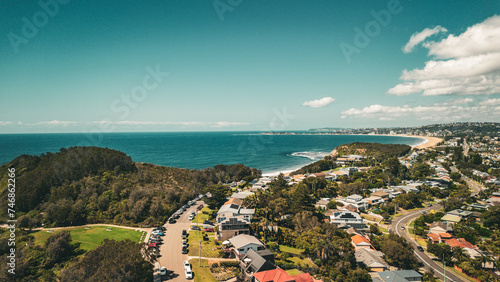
(366, 212)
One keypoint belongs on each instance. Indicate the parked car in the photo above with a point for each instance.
(187, 265)
(208, 222)
(191, 217)
(189, 273)
(184, 245)
(163, 271)
(184, 232)
(402, 228)
(209, 229)
(194, 227)
(172, 220)
(420, 248)
(153, 245)
(185, 250)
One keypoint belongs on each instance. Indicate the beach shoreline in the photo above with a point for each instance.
(427, 142)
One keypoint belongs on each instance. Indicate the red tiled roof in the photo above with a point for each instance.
(275, 275)
(279, 275)
(445, 235)
(460, 242)
(235, 201)
(433, 236)
(358, 239)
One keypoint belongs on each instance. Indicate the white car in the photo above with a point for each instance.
(189, 273)
(187, 265)
(163, 271)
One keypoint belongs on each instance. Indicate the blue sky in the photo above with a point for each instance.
(73, 66)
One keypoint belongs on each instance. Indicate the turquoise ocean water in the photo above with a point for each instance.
(198, 150)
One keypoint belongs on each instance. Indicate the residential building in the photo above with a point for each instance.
(254, 262)
(279, 275)
(348, 219)
(372, 260)
(361, 242)
(398, 276)
(243, 243)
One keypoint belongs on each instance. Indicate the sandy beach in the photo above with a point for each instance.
(431, 141)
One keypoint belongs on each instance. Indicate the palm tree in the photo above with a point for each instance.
(459, 255)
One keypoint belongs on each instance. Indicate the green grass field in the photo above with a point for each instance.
(200, 216)
(302, 261)
(208, 247)
(291, 250)
(92, 237)
(293, 272)
(201, 274)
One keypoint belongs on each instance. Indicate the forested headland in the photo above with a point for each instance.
(84, 185)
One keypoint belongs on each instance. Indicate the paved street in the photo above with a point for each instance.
(400, 221)
(170, 250)
(476, 187)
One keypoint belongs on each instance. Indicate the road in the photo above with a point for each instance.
(400, 221)
(170, 251)
(476, 187)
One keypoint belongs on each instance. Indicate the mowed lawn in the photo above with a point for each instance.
(92, 237)
(200, 216)
(201, 274)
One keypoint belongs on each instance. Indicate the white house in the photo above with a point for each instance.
(243, 243)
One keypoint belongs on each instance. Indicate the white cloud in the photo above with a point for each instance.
(319, 103)
(454, 102)
(419, 37)
(438, 113)
(490, 102)
(467, 64)
(481, 38)
(5, 123)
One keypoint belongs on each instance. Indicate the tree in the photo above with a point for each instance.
(111, 261)
(455, 176)
(491, 218)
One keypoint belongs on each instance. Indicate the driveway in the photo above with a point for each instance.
(171, 256)
(423, 257)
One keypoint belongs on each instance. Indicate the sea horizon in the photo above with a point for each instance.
(198, 150)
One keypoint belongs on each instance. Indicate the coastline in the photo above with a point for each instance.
(426, 143)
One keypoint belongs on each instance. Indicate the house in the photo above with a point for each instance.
(372, 260)
(242, 195)
(322, 203)
(243, 243)
(439, 227)
(374, 200)
(279, 275)
(460, 242)
(434, 237)
(232, 226)
(381, 194)
(348, 218)
(254, 262)
(451, 218)
(233, 219)
(398, 276)
(360, 242)
(478, 206)
(461, 213)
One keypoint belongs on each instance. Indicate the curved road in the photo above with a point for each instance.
(400, 221)
(171, 249)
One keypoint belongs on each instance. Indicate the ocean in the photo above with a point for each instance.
(198, 150)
